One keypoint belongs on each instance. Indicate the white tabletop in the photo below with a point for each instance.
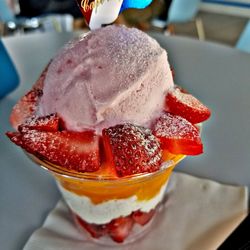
(218, 75)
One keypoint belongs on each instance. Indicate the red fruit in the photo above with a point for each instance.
(15, 137)
(73, 150)
(181, 103)
(27, 105)
(177, 135)
(48, 123)
(143, 218)
(95, 231)
(131, 149)
(25, 108)
(120, 228)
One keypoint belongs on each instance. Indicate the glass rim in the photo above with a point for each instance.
(91, 176)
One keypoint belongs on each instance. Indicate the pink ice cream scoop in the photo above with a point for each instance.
(108, 76)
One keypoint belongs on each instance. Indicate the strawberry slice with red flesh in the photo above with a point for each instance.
(96, 231)
(25, 108)
(45, 123)
(120, 228)
(78, 151)
(181, 103)
(15, 137)
(143, 218)
(177, 135)
(131, 149)
(27, 105)
(48, 123)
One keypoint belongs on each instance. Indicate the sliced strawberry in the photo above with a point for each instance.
(131, 149)
(15, 137)
(177, 135)
(73, 150)
(27, 105)
(143, 218)
(25, 108)
(120, 228)
(181, 103)
(95, 231)
(48, 123)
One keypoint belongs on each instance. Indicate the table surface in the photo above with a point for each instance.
(216, 74)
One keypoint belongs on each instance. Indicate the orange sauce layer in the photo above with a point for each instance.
(145, 188)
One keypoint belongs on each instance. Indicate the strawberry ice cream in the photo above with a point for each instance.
(106, 77)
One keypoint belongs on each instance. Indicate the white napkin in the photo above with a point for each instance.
(198, 214)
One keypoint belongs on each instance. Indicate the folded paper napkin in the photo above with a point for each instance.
(198, 214)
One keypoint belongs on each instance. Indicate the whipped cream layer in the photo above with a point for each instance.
(108, 76)
(105, 212)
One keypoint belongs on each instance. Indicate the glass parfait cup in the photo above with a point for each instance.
(108, 210)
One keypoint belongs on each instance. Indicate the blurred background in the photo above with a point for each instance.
(223, 21)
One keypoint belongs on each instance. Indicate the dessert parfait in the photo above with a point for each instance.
(106, 119)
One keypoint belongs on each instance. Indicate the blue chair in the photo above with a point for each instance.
(243, 43)
(9, 78)
(181, 11)
(6, 15)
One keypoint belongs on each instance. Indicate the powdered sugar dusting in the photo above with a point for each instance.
(135, 149)
(112, 75)
(188, 99)
(26, 107)
(173, 126)
(72, 150)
